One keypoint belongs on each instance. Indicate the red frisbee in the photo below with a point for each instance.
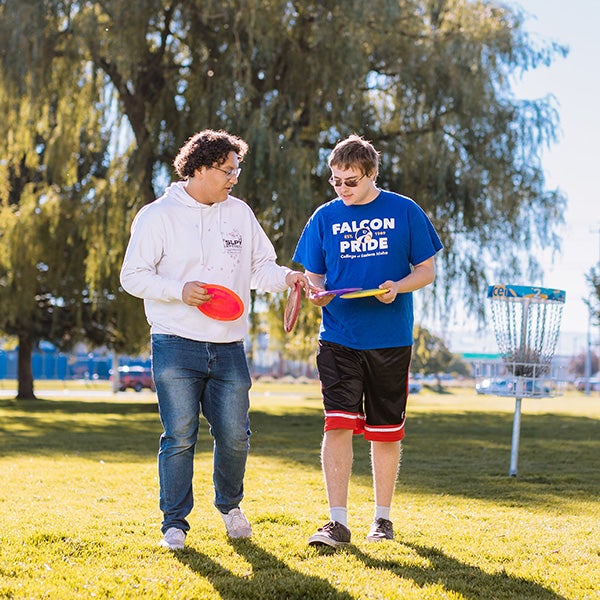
(225, 304)
(292, 307)
(335, 292)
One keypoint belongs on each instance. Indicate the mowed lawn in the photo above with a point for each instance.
(79, 511)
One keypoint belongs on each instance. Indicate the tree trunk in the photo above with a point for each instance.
(115, 372)
(24, 371)
(440, 387)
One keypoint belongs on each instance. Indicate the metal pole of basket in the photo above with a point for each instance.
(516, 431)
(526, 344)
(516, 434)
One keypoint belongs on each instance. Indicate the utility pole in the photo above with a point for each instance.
(588, 356)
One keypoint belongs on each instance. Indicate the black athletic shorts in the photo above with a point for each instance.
(365, 390)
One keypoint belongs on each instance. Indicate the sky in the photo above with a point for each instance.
(573, 163)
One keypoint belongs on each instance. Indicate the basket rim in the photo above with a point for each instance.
(515, 293)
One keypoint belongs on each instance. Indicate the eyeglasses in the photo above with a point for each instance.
(229, 174)
(352, 182)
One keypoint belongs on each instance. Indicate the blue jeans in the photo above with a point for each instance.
(194, 378)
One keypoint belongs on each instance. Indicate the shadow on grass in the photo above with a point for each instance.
(270, 577)
(463, 454)
(469, 454)
(91, 428)
(466, 580)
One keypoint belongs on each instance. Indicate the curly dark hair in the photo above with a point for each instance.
(205, 149)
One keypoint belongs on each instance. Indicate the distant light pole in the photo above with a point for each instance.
(588, 354)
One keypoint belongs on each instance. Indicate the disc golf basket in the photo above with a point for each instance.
(526, 324)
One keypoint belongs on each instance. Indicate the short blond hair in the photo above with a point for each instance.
(354, 152)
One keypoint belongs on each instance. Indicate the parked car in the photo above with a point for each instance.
(580, 384)
(135, 377)
(493, 386)
(414, 387)
(507, 387)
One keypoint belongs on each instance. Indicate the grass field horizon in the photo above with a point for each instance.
(79, 509)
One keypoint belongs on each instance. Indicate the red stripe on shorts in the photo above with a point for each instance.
(384, 433)
(338, 419)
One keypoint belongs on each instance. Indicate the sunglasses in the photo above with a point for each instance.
(352, 182)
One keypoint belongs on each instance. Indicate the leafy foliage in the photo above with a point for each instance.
(593, 279)
(577, 364)
(432, 357)
(53, 148)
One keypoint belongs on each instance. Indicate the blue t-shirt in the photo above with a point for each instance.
(363, 246)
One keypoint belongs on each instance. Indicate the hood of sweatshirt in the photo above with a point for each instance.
(206, 213)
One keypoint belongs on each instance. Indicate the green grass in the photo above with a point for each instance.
(79, 512)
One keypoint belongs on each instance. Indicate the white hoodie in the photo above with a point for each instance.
(175, 240)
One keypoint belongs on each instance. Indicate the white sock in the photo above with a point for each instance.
(382, 512)
(339, 514)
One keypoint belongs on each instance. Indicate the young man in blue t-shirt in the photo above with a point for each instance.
(366, 238)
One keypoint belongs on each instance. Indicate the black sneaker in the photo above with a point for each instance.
(332, 534)
(381, 529)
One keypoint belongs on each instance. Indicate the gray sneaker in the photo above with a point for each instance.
(381, 529)
(331, 534)
(236, 524)
(174, 539)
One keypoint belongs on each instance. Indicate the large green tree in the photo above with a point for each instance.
(428, 81)
(54, 143)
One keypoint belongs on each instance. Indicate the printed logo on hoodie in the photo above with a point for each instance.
(232, 242)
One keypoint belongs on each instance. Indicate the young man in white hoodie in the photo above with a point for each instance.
(198, 234)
